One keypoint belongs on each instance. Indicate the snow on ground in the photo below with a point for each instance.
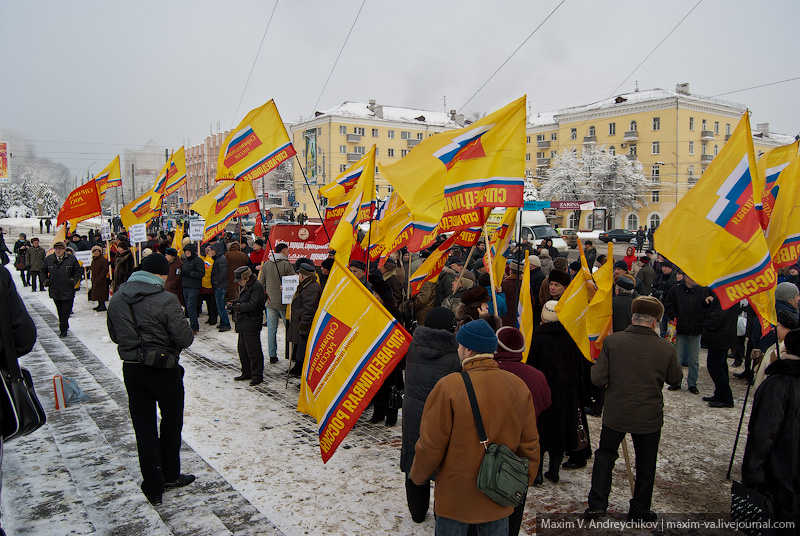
(266, 450)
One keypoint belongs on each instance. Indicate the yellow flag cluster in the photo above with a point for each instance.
(109, 177)
(359, 208)
(228, 200)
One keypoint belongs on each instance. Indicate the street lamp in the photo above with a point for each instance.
(87, 170)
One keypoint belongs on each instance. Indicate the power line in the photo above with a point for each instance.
(269, 22)
(756, 87)
(513, 53)
(339, 56)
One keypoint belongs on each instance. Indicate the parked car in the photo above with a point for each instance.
(570, 236)
(617, 235)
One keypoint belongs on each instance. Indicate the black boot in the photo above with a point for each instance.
(538, 481)
(391, 417)
(555, 462)
(378, 414)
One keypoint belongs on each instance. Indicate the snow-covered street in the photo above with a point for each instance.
(257, 459)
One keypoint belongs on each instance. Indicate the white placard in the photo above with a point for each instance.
(84, 257)
(138, 233)
(196, 229)
(105, 230)
(288, 286)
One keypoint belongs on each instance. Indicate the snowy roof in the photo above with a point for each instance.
(361, 110)
(647, 95)
(783, 139)
(542, 119)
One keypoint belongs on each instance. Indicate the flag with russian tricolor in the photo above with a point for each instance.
(228, 200)
(458, 171)
(359, 209)
(353, 345)
(176, 174)
(138, 210)
(256, 146)
(109, 177)
(714, 233)
(770, 166)
(431, 267)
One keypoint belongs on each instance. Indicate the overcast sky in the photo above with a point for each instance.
(85, 79)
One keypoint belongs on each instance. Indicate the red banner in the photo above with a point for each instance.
(81, 204)
(300, 239)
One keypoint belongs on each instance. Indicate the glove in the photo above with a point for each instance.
(47, 282)
(72, 282)
(756, 356)
(303, 334)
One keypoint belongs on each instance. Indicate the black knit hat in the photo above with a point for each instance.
(327, 264)
(156, 263)
(559, 277)
(440, 318)
(382, 289)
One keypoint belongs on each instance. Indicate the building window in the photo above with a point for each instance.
(656, 147)
(374, 132)
(540, 154)
(705, 125)
(612, 150)
(420, 135)
(553, 154)
(573, 221)
(573, 133)
(304, 188)
(377, 151)
(376, 172)
(359, 149)
(656, 175)
(403, 152)
(390, 152)
(655, 221)
(304, 207)
(655, 196)
(633, 222)
(539, 137)
(704, 148)
(342, 129)
(358, 130)
(319, 131)
(553, 136)
(591, 132)
(405, 135)
(632, 149)
(633, 126)
(727, 129)
(690, 174)
(390, 134)
(716, 149)
(612, 129)
(716, 128)
(342, 168)
(691, 123)
(342, 149)
(656, 123)
(527, 157)
(691, 147)
(528, 139)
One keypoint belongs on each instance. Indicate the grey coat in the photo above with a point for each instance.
(274, 269)
(219, 272)
(34, 258)
(158, 314)
(634, 364)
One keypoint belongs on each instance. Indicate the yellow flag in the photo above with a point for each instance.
(345, 182)
(431, 267)
(137, 211)
(176, 175)
(770, 166)
(227, 200)
(353, 345)
(177, 242)
(783, 228)
(358, 210)
(714, 233)
(501, 237)
(571, 311)
(255, 147)
(61, 234)
(599, 312)
(458, 171)
(109, 177)
(525, 308)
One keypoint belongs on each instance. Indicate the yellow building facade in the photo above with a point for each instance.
(335, 139)
(673, 134)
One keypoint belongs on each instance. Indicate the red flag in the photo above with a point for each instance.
(81, 204)
(258, 230)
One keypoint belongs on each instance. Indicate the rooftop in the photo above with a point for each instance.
(362, 110)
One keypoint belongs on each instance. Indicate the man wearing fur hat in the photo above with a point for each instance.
(248, 310)
(389, 273)
(61, 274)
(633, 366)
(99, 292)
(303, 308)
(448, 440)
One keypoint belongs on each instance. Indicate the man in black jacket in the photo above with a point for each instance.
(686, 303)
(249, 314)
(192, 279)
(719, 334)
(665, 279)
(61, 274)
(143, 319)
(219, 283)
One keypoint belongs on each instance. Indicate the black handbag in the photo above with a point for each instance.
(752, 509)
(395, 398)
(22, 411)
(152, 358)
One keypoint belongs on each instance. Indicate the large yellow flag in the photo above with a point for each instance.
(255, 147)
(109, 177)
(501, 238)
(353, 345)
(137, 211)
(358, 210)
(227, 200)
(599, 312)
(770, 166)
(177, 242)
(176, 175)
(458, 171)
(345, 182)
(783, 228)
(573, 306)
(714, 233)
(525, 308)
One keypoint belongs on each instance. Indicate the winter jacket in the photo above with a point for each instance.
(591, 256)
(646, 275)
(397, 287)
(421, 303)
(123, 268)
(159, 317)
(547, 263)
(662, 285)
(634, 364)
(20, 247)
(249, 307)
(621, 313)
(219, 273)
(719, 332)
(276, 267)
(771, 457)
(193, 269)
(174, 282)
(99, 290)
(533, 378)
(61, 275)
(303, 308)
(454, 300)
(511, 286)
(235, 259)
(34, 258)
(448, 441)
(444, 284)
(23, 330)
(431, 356)
(687, 305)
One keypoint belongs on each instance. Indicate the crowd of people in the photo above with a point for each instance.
(535, 399)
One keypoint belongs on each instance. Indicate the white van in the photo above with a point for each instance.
(534, 227)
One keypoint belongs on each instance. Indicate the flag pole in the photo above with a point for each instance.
(312, 197)
(491, 268)
(627, 462)
(463, 268)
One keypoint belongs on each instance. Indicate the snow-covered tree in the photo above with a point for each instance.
(22, 199)
(35, 170)
(595, 175)
(530, 193)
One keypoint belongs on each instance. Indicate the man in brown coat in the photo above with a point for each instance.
(633, 366)
(303, 308)
(448, 441)
(99, 291)
(235, 259)
(174, 282)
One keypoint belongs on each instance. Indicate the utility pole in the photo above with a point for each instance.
(133, 186)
